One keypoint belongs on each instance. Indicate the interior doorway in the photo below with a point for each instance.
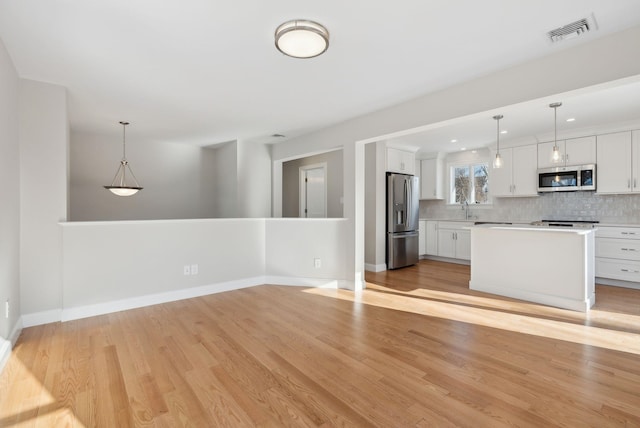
(313, 191)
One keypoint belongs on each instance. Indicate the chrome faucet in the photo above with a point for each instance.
(465, 207)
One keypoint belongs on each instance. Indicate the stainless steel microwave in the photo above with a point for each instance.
(567, 178)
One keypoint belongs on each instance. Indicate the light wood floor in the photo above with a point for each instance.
(416, 349)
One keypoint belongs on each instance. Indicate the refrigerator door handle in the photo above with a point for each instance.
(407, 203)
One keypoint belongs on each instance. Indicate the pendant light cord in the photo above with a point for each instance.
(498, 135)
(555, 127)
(124, 140)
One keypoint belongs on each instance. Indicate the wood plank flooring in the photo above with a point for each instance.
(416, 349)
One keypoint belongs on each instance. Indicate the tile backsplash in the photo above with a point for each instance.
(624, 209)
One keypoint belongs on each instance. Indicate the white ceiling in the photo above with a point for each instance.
(593, 110)
(206, 71)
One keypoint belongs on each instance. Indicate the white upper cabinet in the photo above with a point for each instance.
(580, 151)
(400, 161)
(431, 179)
(518, 175)
(574, 151)
(545, 153)
(617, 167)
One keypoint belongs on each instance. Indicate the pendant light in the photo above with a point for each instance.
(555, 154)
(119, 185)
(301, 38)
(497, 162)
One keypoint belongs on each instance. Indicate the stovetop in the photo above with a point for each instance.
(581, 224)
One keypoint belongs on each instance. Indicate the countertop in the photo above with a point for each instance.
(522, 222)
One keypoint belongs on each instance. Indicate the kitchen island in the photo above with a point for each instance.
(552, 266)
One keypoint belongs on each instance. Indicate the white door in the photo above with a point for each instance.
(313, 191)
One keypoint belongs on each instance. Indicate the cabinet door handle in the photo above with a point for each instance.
(629, 249)
(628, 233)
(566, 157)
(635, 183)
(630, 271)
(628, 184)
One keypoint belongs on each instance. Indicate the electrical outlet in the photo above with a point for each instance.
(317, 263)
(194, 269)
(187, 270)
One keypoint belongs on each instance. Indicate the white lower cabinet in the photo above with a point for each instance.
(431, 238)
(422, 237)
(454, 240)
(618, 253)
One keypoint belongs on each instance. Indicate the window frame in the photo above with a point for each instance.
(471, 168)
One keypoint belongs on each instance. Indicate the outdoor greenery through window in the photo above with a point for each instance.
(469, 183)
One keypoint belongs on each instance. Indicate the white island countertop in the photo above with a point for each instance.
(548, 265)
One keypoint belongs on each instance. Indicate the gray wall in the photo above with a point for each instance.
(254, 180)
(44, 148)
(225, 190)
(180, 181)
(291, 183)
(9, 195)
(174, 177)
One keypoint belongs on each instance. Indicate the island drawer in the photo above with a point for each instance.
(618, 269)
(616, 248)
(618, 232)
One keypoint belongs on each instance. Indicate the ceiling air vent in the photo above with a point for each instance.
(572, 30)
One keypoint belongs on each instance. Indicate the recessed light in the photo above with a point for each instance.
(571, 119)
(463, 149)
(454, 141)
(504, 131)
(474, 151)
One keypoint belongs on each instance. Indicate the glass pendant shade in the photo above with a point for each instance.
(556, 156)
(302, 38)
(119, 184)
(124, 182)
(497, 162)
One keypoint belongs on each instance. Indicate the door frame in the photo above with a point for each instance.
(303, 189)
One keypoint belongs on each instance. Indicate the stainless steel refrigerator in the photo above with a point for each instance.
(402, 220)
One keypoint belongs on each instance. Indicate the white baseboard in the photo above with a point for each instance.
(447, 259)
(375, 268)
(618, 283)
(78, 312)
(15, 333)
(155, 299)
(39, 318)
(302, 282)
(6, 345)
(5, 352)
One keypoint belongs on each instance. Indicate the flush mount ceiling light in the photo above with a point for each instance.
(301, 38)
(119, 185)
(497, 162)
(555, 154)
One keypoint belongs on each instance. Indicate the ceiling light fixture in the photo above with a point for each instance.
(497, 162)
(119, 184)
(555, 154)
(302, 38)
